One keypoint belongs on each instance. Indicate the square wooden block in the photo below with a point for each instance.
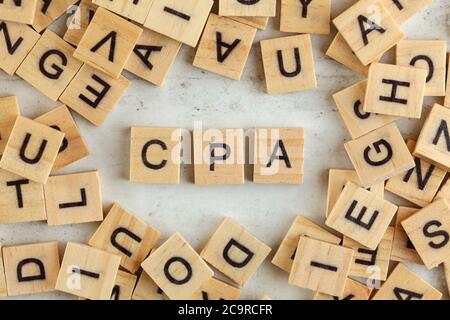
(395, 90)
(3, 291)
(278, 155)
(18, 11)
(301, 226)
(368, 263)
(108, 42)
(147, 289)
(9, 111)
(379, 155)
(447, 91)
(21, 200)
(73, 198)
(93, 94)
(87, 272)
(402, 10)
(31, 150)
(47, 11)
(153, 56)
(353, 290)
(288, 64)
(367, 38)
(21, 39)
(234, 251)
(155, 155)
(433, 144)
(79, 21)
(361, 215)
(305, 16)
(31, 268)
(256, 22)
(73, 147)
(126, 235)
(123, 286)
(403, 284)
(182, 21)
(246, 8)
(429, 231)
(50, 67)
(224, 47)
(133, 10)
(402, 248)
(218, 156)
(418, 185)
(177, 269)
(214, 289)
(350, 104)
(321, 266)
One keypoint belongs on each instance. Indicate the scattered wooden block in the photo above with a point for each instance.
(73, 198)
(73, 147)
(9, 111)
(288, 64)
(224, 47)
(108, 42)
(403, 284)
(429, 231)
(50, 67)
(369, 263)
(16, 41)
(218, 156)
(433, 144)
(305, 16)
(3, 291)
(256, 22)
(124, 286)
(402, 10)
(87, 272)
(379, 155)
(126, 235)
(18, 11)
(361, 215)
(147, 289)
(215, 289)
(321, 266)
(155, 155)
(153, 56)
(402, 248)
(31, 268)
(301, 226)
(79, 21)
(182, 21)
(47, 11)
(368, 39)
(418, 185)
(177, 269)
(353, 290)
(234, 251)
(447, 91)
(93, 94)
(350, 104)
(248, 8)
(31, 150)
(278, 155)
(133, 10)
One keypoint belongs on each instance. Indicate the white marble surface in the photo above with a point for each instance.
(194, 95)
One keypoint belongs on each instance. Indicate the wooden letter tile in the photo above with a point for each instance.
(215, 289)
(87, 272)
(108, 42)
(368, 39)
(403, 284)
(16, 41)
(234, 251)
(379, 155)
(350, 104)
(301, 226)
(402, 10)
(288, 64)
(429, 231)
(147, 289)
(182, 21)
(402, 248)
(31, 268)
(177, 269)
(361, 215)
(47, 11)
(123, 286)
(73, 198)
(224, 47)
(353, 290)
(18, 11)
(321, 266)
(305, 16)
(9, 111)
(155, 155)
(126, 235)
(93, 94)
(248, 8)
(130, 9)
(3, 291)
(50, 67)
(278, 155)
(31, 150)
(256, 22)
(79, 21)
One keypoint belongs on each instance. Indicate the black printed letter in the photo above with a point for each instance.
(376, 146)
(213, 157)
(38, 263)
(359, 218)
(98, 94)
(438, 233)
(9, 46)
(147, 163)
(443, 129)
(128, 233)
(18, 184)
(237, 264)
(429, 63)
(298, 65)
(284, 156)
(229, 47)
(145, 56)
(24, 146)
(421, 181)
(112, 48)
(362, 20)
(57, 69)
(393, 96)
(185, 264)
